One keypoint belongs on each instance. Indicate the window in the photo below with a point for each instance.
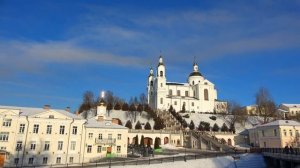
(90, 135)
(193, 83)
(74, 131)
(6, 123)
(16, 161)
(291, 133)
(186, 93)
(161, 100)
(178, 92)
(151, 83)
(45, 160)
(119, 136)
(263, 133)
(47, 145)
(4, 136)
(284, 132)
(71, 159)
(60, 145)
(51, 116)
(100, 136)
(99, 149)
(30, 161)
(109, 136)
(175, 102)
(62, 129)
(35, 128)
(161, 85)
(297, 133)
(22, 128)
(170, 92)
(265, 144)
(58, 160)
(32, 145)
(206, 94)
(49, 129)
(161, 73)
(275, 132)
(192, 103)
(89, 149)
(118, 149)
(19, 146)
(73, 145)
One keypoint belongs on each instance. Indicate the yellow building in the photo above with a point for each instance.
(290, 109)
(276, 134)
(251, 109)
(35, 136)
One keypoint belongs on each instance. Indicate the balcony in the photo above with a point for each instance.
(106, 141)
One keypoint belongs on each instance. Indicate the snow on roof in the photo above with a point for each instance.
(281, 123)
(291, 105)
(29, 111)
(93, 123)
(283, 111)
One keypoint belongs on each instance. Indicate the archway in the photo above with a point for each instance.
(148, 140)
(229, 142)
(166, 140)
(178, 142)
(223, 141)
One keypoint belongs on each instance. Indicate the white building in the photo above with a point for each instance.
(198, 94)
(289, 110)
(44, 136)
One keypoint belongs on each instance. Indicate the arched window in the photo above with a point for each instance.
(151, 83)
(161, 73)
(206, 94)
(193, 83)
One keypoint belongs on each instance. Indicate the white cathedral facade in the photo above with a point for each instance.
(197, 95)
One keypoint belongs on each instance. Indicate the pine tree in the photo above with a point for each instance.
(117, 106)
(142, 141)
(156, 143)
(136, 143)
(128, 124)
(138, 125)
(147, 126)
(224, 128)
(232, 128)
(140, 109)
(125, 107)
(200, 127)
(192, 125)
(215, 128)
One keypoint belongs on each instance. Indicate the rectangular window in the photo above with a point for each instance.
(19, 146)
(291, 133)
(100, 136)
(35, 128)
(58, 160)
(16, 161)
(89, 149)
(7, 123)
(71, 159)
(4, 136)
(49, 129)
(47, 145)
(178, 92)
(193, 104)
(22, 128)
(161, 101)
(62, 129)
(275, 132)
(284, 132)
(118, 149)
(73, 145)
(90, 135)
(60, 145)
(30, 161)
(45, 160)
(297, 133)
(32, 145)
(119, 136)
(99, 149)
(186, 93)
(74, 131)
(263, 133)
(175, 102)
(170, 92)
(109, 136)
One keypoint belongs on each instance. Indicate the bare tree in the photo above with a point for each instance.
(265, 105)
(143, 99)
(237, 114)
(88, 102)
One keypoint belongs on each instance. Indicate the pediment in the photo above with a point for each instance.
(10, 112)
(52, 114)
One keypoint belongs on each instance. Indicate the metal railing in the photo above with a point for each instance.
(106, 141)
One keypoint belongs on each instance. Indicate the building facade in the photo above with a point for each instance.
(290, 109)
(198, 94)
(276, 134)
(44, 136)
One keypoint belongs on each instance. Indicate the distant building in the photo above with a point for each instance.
(289, 109)
(36, 136)
(276, 134)
(251, 109)
(198, 95)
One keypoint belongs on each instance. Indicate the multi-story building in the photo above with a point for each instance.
(251, 109)
(276, 134)
(35, 136)
(198, 95)
(289, 109)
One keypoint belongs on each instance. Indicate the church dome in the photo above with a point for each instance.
(195, 74)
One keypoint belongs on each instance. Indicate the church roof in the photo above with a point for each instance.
(195, 74)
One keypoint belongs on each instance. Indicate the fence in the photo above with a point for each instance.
(139, 161)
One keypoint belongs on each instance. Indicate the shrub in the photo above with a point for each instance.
(213, 118)
(128, 124)
(215, 128)
(138, 125)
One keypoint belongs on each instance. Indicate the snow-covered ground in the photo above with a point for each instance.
(246, 160)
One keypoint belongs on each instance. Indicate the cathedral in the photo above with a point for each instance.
(197, 95)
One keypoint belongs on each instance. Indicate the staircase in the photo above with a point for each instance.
(251, 161)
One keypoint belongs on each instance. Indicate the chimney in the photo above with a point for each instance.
(100, 118)
(46, 107)
(68, 109)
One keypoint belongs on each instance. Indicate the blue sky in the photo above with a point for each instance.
(51, 52)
